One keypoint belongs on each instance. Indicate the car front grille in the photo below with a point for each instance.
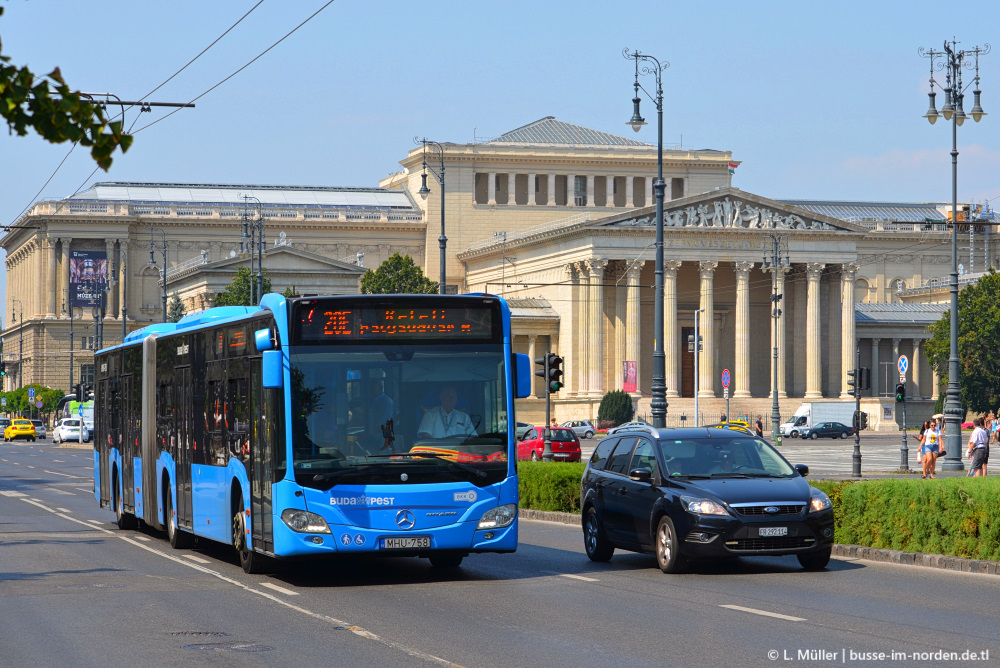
(782, 543)
(759, 511)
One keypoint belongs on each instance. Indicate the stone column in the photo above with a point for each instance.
(936, 380)
(511, 188)
(848, 346)
(706, 329)
(814, 359)
(111, 299)
(671, 333)
(596, 324)
(649, 192)
(629, 185)
(123, 264)
(570, 190)
(491, 189)
(915, 368)
(876, 368)
(742, 370)
(552, 190)
(590, 192)
(583, 330)
(778, 332)
(532, 191)
(609, 187)
(51, 278)
(633, 319)
(532, 354)
(895, 356)
(622, 327)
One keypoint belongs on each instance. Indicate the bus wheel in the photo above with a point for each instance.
(249, 560)
(125, 521)
(179, 539)
(447, 560)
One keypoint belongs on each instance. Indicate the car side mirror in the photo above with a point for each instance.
(640, 475)
(802, 469)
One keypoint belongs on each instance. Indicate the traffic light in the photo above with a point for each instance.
(900, 392)
(78, 391)
(3, 369)
(701, 341)
(864, 421)
(554, 372)
(852, 383)
(865, 381)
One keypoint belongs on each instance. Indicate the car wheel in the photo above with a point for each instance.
(668, 556)
(794, 434)
(815, 561)
(447, 560)
(534, 456)
(598, 547)
(814, 436)
(589, 434)
(843, 435)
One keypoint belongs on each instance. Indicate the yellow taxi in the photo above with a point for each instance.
(19, 428)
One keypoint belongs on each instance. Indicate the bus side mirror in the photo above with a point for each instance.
(262, 339)
(523, 377)
(271, 371)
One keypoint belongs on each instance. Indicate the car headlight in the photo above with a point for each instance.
(303, 521)
(819, 501)
(499, 517)
(703, 506)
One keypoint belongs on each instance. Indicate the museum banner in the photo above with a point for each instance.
(88, 277)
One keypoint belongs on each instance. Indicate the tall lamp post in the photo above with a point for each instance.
(952, 61)
(251, 241)
(425, 191)
(152, 262)
(775, 263)
(658, 405)
(20, 339)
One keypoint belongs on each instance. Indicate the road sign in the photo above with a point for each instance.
(31, 393)
(38, 404)
(3, 401)
(725, 378)
(81, 411)
(725, 393)
(902, 363)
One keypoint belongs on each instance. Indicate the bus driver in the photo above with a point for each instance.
(444, 420)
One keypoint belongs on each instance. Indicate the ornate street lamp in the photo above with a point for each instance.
(952, 61)
(658, 405)
(425, 191)
(152, 262)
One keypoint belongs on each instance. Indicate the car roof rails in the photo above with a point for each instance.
(634, 426)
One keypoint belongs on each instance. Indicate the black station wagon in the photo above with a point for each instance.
(685, 494)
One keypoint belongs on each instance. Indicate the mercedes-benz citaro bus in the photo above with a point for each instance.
(364, 424)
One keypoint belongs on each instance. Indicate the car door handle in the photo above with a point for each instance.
(623, 491)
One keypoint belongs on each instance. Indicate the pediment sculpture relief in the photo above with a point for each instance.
(733, 213)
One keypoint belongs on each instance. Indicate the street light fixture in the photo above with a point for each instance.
(658, 404)
(775, 262)
(253, 233)
(152, 262)
(425, 191)
(952, 61)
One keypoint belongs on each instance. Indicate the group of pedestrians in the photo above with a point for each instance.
(931, 439)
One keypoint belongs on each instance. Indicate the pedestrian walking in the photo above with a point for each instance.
(979, 449)
(759, 428)
(930, 448)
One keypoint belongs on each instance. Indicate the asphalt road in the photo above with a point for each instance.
(76, 590)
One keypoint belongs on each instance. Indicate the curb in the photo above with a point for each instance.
(941, 561)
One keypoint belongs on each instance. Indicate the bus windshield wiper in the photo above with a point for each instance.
(323, 477)
(461, 465)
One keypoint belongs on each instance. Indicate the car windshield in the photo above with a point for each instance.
(735, 456)
(562, 435)
(357, 411)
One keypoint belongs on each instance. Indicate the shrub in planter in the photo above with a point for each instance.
(616, 406)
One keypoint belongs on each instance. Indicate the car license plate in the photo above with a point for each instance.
(773, 531)
(404, 542)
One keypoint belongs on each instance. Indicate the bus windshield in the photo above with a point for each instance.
(385, 414)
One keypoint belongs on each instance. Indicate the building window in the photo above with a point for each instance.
(87, 374)
(580, 190)
(676, 188)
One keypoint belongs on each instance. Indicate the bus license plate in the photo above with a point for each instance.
(404, 542)
(773, 531)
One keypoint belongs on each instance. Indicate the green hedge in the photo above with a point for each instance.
(952, 516)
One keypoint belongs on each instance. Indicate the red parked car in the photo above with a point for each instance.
(565, 445)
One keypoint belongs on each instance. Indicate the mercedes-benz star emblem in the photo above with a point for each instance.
(405, 519)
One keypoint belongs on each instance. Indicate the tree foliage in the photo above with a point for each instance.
(47, 105)
(237, 293)
(978, 353)
(616, 406)
(18, 403)
(397, 275)
(175, 308)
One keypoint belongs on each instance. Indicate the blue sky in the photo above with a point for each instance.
(818, 100)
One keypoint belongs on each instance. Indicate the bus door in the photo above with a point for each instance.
(183, 434)
(104, 437)
(129, 435)
(261, 458)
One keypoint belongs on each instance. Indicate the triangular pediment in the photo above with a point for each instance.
(732, 208)
(287, 258)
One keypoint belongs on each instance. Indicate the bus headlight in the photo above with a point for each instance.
(303, 521)
(499, 517)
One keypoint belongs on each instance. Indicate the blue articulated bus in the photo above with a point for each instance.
(367, 424)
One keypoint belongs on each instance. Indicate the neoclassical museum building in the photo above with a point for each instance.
(560, 220)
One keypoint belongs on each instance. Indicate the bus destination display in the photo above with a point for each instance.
(333, 322)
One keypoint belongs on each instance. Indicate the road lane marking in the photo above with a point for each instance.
(765, 613)
(570, 575)
(194, 558)
(144, 539)
(58, 461)
(30, 466)
(275, 587)
(63, 510)
(12, 493)
(60, 491)
(356, 630)
(64, 474)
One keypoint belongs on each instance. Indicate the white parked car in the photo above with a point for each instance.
(68, 429)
